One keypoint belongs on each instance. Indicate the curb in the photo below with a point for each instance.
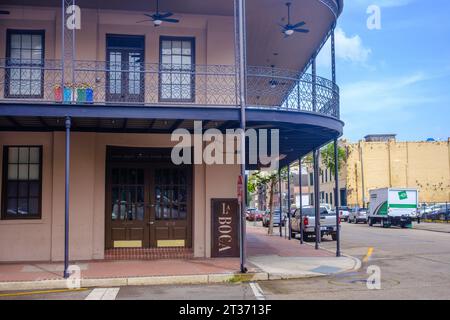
(164, 280)
(136, 281)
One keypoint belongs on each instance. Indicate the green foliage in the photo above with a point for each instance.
(327, 156)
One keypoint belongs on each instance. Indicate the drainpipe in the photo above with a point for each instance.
(66, 200)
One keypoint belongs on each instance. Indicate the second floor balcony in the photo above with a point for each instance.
(115, 83)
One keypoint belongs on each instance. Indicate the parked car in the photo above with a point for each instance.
(439, 212)
(255, 215)
(276, 218)
(307, 222)
(250, 213)
(357, 215)
(344, 212)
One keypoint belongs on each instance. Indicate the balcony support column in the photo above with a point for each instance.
(280, 198)
(301, 195)
(316, 196)
(335, 97)
(66, 200)
(336, 198)
(289, 200)
(333, 58)
(242, 99)
(314, 89)
(68, 43)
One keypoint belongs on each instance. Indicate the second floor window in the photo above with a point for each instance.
(24, 62)
(176, 81)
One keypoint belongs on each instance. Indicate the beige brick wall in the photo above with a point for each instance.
(422, 165)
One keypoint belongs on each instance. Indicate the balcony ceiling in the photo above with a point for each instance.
(265, 42)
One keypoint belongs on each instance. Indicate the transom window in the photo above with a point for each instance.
(25, 61)
(22, 180)
(177, 69)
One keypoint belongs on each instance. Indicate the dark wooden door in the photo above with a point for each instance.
(148, 205)
(127, 212)
(125, 65)
(170, 214)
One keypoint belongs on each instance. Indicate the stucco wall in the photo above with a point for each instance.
(22, 240)
(42, 240)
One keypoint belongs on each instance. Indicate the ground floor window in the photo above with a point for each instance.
(22, 182)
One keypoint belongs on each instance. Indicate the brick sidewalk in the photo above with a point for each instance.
(258, 244)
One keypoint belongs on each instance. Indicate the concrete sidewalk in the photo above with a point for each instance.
(432, 226)
(269, 257)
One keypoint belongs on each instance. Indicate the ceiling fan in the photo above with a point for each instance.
(288, 29)
(4, 12)
(159, 17)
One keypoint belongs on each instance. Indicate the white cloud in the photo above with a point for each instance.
(383, 95)
(348, 48)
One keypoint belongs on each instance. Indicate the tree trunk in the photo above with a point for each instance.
(272, 186)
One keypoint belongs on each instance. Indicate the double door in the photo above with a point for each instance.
(148, 206)
(125, 65)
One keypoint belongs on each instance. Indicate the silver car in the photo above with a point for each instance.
(357, 215)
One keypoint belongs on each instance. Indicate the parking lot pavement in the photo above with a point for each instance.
(413, 264)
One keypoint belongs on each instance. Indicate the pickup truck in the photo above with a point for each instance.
(327, 222)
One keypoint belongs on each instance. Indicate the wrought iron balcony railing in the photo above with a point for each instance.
(108, 83)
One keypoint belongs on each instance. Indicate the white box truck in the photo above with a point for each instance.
(393, 207)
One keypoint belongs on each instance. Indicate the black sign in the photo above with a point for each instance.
(225, 228)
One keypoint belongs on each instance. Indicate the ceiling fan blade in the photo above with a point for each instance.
(4, 12)
(144, 21)
(149, 15)
(170, 20)
(301, 30)
(300, 24)
(165, 15)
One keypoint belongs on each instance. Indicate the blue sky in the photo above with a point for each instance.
(396, 79)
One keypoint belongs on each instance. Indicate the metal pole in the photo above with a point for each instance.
(314, 79)
(301, 200)
(242, 94)
(316, 196)
(66, 207)
(336, 198)
(63, 19)
(333, 58)
(289, 200)
(280, 196)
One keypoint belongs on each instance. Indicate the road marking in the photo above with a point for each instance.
(17, 294)
(369, 253)
(103, 294)
(257, 291)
